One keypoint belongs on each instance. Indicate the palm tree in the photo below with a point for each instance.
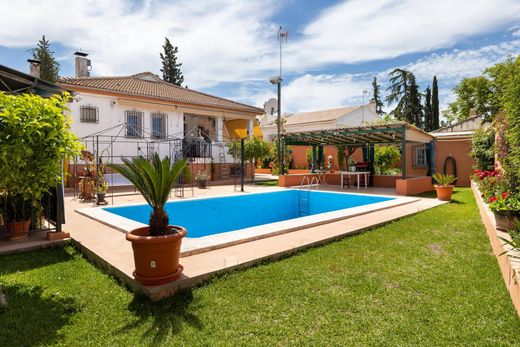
(154, 179)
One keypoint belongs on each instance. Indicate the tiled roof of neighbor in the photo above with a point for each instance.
(148, 84)
(319, 116)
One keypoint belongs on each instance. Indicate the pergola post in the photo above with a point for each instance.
(403, 153)
(313, 163)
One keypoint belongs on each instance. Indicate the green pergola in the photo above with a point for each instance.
(395, 133)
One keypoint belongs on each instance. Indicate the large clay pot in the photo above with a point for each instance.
(506, 220)
(156, 257)
(18, 230)
(444, 192)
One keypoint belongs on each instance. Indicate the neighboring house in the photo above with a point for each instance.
(320, 120)
(145, 107)
(455, 141)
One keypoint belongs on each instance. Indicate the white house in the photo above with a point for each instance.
(137, 114)
(320, 120)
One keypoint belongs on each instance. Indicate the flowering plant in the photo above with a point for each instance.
(201, 176)
(482, 174)
(504, 202)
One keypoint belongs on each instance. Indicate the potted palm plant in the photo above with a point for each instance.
(444, 186)
(156, 247)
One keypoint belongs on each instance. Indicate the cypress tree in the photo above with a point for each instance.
(428, 114)
(377, 97)
(171, 69)
(49, 66)
(435, 105)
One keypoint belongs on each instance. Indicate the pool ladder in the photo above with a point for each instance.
(304, 195)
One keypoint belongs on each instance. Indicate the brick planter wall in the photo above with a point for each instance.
(509, 267)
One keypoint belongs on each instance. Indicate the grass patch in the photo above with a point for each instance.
(267, 183)
(428, 279)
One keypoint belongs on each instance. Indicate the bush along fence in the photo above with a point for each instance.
(34, 141)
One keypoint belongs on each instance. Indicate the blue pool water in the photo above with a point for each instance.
(203, 217)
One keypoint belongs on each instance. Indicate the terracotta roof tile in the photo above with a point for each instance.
(150, 85)
(319, 116)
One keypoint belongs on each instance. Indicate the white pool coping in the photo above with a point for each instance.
(192, 246)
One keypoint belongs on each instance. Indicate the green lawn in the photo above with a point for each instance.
(429, 279)
(267, 183)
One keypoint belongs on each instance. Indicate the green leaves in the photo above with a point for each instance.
(154, 179)
(35, 138)
(444, 180)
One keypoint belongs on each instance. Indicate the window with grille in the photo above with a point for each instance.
(158, 125)
(419, 156)
(134, 124)
(88, 114)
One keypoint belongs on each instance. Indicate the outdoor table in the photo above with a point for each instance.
(357, 174)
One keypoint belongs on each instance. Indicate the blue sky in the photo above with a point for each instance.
(229, 47)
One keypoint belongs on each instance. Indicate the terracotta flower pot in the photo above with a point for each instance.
(156, 257)
(444, 192)
(18, 230)
(506, 220)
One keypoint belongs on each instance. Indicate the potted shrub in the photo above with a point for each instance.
(17, 215)
(101, 191)
(35, 139)
(156, 247)
(506, 208)
(444, 186)
(201, 179)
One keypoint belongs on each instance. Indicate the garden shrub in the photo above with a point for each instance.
(483, 149)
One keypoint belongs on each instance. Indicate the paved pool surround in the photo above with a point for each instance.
(106, 246)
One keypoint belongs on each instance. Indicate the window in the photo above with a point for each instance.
(88, 114)
(158, 125)
(419, 158)
(134, 124)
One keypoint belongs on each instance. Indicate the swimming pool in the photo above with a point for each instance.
(216, 215)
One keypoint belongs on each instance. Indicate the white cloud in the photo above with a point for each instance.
(218, 40)
(359, 30)
(313, 92)
(235, 41)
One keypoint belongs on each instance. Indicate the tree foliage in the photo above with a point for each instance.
(428, 111)
(385, 157)
(344, 153)
(49, 66)
(404, 91)
(35, 138)
(473, 96)
(435, 105)
(377, 97)
(171, 68)
(483, 150)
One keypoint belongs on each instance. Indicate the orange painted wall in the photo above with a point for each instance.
(237, 128)
(299, 154)
(460, 150)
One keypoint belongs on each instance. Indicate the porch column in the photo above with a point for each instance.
(250, 125)
(219, 128)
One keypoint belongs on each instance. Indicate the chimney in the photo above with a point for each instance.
(34, 67)
(82, 64)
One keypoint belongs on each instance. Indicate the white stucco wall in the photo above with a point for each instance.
(111, 113)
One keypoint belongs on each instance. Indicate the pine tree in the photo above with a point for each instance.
(171, 69)
(413, 108)
(435, 105)
(428, 114)
(49, 67)
(377, 97)
(405, 91)
(398, 92)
